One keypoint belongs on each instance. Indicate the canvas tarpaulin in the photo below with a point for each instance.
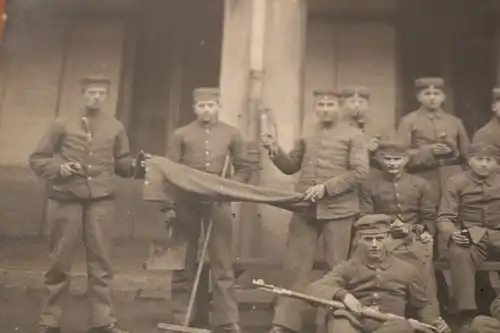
(167, 180)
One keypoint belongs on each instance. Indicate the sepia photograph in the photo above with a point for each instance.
(249, 166)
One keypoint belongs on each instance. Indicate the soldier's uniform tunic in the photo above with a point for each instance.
(204, 147)
(476, 202)
(421, 129)
(409, 199)
(81, 207)
(337, 157)
(388, 286)
(484, 324)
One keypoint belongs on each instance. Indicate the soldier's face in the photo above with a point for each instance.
(207, 111)
(431, 98)
(483, 166)
(373, 245)
(356, 106)
(496, 108)
(95, 96)
(394, 164)
(327, 110)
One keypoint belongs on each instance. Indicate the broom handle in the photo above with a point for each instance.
(201, 262)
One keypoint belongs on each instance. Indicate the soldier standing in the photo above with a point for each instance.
(378, 280)
(203, 145)
(490, 133)
(355, 103)
(469, 218)
(333, 162)
(408, 201)
(79, 157)
(438, 140)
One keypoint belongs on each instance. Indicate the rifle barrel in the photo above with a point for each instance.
(333, 304)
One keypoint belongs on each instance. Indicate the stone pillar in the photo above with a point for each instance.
(283, 93)
(234, 77)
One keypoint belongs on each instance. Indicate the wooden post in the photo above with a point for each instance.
(234, 84)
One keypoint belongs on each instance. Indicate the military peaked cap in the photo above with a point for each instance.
(373, 224)
(428, 82)
(357, 91)
(206, 94)
(392, 148)
(481, 149)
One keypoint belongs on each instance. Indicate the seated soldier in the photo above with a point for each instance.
(407, 200)
(469, 218)
(484, 324)
(378, 280)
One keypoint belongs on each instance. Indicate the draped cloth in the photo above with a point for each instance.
(169, 181)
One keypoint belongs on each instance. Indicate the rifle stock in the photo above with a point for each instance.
(334, 305)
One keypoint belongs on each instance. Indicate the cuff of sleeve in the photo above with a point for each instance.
(340, 295)
(446, 228)
(330, 188)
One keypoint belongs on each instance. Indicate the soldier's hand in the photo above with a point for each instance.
(352, 303)
(70, 168)
(426, 237)
(147, 156)
(441, 326)
(373, 144)
(169, 218)
(459, 239)
(399, 229)
(315, 193)
(441, 149)
(269, 143)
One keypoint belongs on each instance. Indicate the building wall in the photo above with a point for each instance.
(353, 53)
(42, 58)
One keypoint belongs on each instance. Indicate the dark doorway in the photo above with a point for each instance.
(178, 48)
(454, 39)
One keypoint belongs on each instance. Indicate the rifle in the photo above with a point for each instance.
(334, 305)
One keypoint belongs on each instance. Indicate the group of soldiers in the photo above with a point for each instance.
(380, 204)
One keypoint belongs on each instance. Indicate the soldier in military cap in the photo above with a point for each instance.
(355, 103)
(438, 140)
(333, 161)
(375, 279)
(407, 199)
(203, 145)
(490, 133)
(79, 156)
(469, 219)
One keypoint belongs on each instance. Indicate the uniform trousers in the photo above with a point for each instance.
(437, 179)
(299, 258)
(190, 215)
(484, 324)
(70, 224)
(464, 262)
